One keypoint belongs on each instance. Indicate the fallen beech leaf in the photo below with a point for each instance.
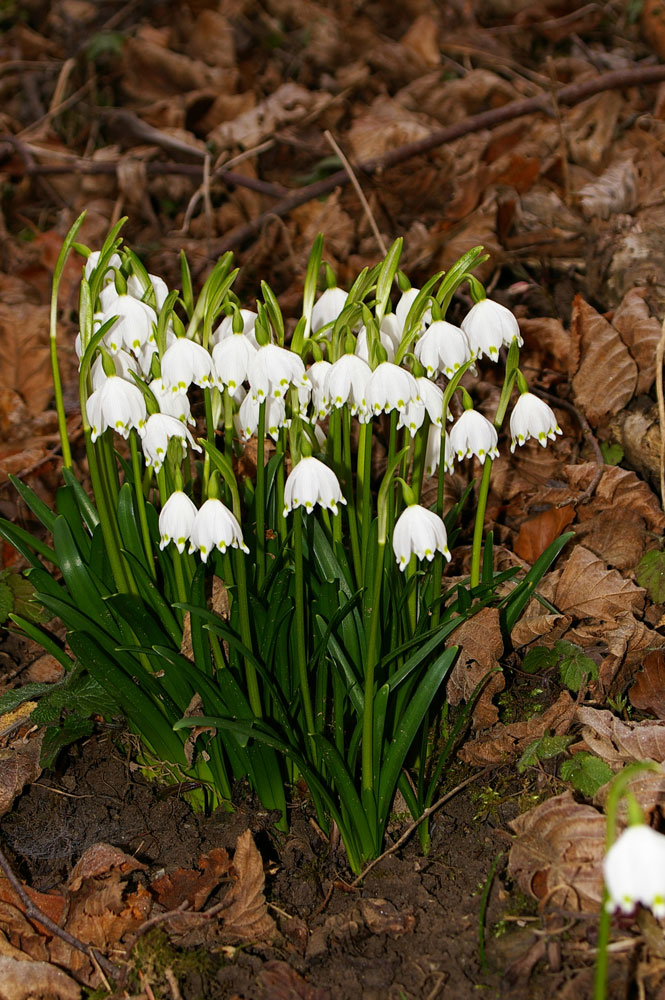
(613, 192)
(193, 885)
(588, 590)
(648, 691)
(640, 332)
(383, 917)
(648, 788)
(616, 535)
(558, 853)
(24, 353)
(618, 488)
(279, 981)
(528, 629)
(606, 378)
(539, 531)
(481, 645)
(25, 980)
(101, 859)
(245, 914)
(618, 742)
(502, 743)
(19, 764)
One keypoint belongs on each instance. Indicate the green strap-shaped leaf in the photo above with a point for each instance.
(25, 543)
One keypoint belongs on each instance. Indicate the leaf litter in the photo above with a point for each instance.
(568, 206)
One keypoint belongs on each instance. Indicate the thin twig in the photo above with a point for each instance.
(571, 94)
(33, 912)
(660, 351)
(416, 823)
(359, 191)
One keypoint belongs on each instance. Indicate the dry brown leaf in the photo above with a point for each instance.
(279, 981)
(383, 126)
(287, 105)
(383, 917)
(481, 645)
(616, 741)
(648, 691)
(212, 40)
(590, 128)
(19, 764)
(193, 885)
(587, 589)
(245, 914)
(616, 535)
(558, 853)
(648, 788)
(640, 332)
(617, 488)
(151, 71)
(25, 980)
(24, 353)
(546, 338)
(652, 24)
(614, 191)
(538, 532)
(530, 628)
(101, 859)
(606, 378)
(502, 743)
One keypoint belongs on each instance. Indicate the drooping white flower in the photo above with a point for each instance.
(159, 286)
(273, 369)
(148, 351)
(231, 358)
(172, 404)
(159, 430)
(93, 261)
(318, 377)
(134, 327)
(176, 520)
(389, 336)
(634, 870)
(390, 388)
(473, 434)
(215, 526)
(124, 364)
(117, 404)
(346, 383)
(433, 452)
(403, 308)
(185, 362)
(532, 417)
(430, 402)
(247, 420)
(225, 328)
(419, 532)
(489, 326)
(328, 307)
(311, 482)
(442, 348)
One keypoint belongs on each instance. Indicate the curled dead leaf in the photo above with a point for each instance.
(19, 765)
(558, 851)
(192, 885)
(618, 742)
(504, 742)
(25, 980)
(648, 691)
(606, 378)
(101, 859)
(481, 645)
(245, 914)
(587, 589)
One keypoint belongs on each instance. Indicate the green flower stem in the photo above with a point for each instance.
(301, 650)
(259, 497)
(228, 425)
(282, 527)
(108, 521)
(177, 560)
(419, 455)
(409, 575)
(336, 442)
(350, 500)
(479, 524)
(364, 484)
(370, 663)
(392, 450)
(251, 678)
(140, 504)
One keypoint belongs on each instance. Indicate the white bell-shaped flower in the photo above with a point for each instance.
(225, 328)
(532, 417)
(318, 378)
(433, 452)
(403, 308)
(159, 286)
(443, 348)
(390, 388)
(176, 520)
(134, 327)
(347, 384)
(430, 402)
(273, 369)
(93, 261)
(419, 532)
(473, 434)
(215, 526)
(172, 404)
(118, 404)
(311, 482)
(185, 362)
(389, 335)
(328, 307)
(231, 358)
(124, 364)
(489, 326)
(248, 416)
(634, 870)
(159, 430)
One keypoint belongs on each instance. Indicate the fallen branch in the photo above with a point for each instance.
(569, 95)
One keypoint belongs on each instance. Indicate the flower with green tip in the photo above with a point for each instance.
(489, 326)
(311, 482)
(473, 434)
(328, 307)
(634, 870)
(176, 520)
(419, 532)
(443, 348)
(532, 417)
(159, 430)
(185, 362)
(390, 388)
(273, 370)
(215, 526)
(118, 404)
